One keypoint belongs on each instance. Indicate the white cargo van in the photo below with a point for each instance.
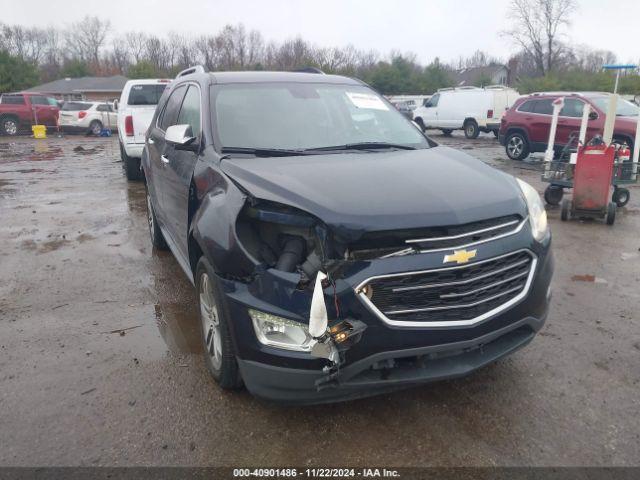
(472, 109)
(135, 111)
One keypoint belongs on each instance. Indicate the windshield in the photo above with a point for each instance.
(145, 94)
(624, 108)
(301, 116)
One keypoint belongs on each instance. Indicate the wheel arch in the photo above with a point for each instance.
(212, 212)
(521, 130)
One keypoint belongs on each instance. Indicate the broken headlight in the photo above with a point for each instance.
(280, 332)
(537, 213)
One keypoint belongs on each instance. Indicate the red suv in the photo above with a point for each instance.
(21, 110)
(524, 128)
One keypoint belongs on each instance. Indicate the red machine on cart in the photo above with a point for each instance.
(592, 170)
(592, 178)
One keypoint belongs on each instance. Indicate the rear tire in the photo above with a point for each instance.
(420, 124)
(95, 127)
(611, 213)
(219, 352)
(9, 126)
(131, 165)
(565, 214)
(553, 195)
(516, 146)
(446, 132)
(157, 238)
(495, 133)
(471, 129)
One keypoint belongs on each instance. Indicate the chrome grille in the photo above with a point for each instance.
(461, 295)
(385, 244)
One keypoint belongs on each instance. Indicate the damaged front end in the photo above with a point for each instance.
(288, 240)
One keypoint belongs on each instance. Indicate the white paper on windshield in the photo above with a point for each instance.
(366, 100)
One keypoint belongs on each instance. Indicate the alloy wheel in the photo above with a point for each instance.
(10, 127)
(515, 147)
(210, 321)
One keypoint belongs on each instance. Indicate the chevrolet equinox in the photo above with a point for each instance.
(336, 251)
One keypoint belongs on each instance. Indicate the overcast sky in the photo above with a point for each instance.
(429, 28)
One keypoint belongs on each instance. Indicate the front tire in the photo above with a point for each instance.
(517, 146)
(611, 213)
(471, 129)
(565, 214)
(9, 126)
(219, 353)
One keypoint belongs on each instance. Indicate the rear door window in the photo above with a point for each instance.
(104, 108)
(146, 94)
(544, 107)
(527, 107)
(172, 108)
(37, 100)
(12, 99)
(572, 108)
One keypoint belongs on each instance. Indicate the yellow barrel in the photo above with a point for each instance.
(39, 131)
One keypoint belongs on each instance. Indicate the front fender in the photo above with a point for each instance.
(213, 225)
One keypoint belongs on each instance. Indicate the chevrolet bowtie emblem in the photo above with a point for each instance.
(460, 256)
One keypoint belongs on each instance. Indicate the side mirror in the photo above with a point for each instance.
(593, 115)
(179, 135)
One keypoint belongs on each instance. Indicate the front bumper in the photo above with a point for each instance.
(387, 357)
(366, 377)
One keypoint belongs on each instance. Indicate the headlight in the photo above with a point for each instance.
(537, 213)
(280, 332)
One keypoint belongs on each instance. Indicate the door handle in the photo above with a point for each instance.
(164, 159)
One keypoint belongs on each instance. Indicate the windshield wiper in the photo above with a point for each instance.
(263, 152)
(364, 146)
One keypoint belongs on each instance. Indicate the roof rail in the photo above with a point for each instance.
(498, 87)
(190, 70)
(308, 70)
(464, 87)
(556, 93)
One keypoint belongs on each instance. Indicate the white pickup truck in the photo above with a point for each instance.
(135, 110)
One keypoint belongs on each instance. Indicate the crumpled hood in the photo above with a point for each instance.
(358, 192)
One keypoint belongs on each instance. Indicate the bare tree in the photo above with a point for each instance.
(538, 30)
(87, 37)
(136, 42)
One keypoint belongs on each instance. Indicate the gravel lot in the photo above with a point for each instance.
(100, 362)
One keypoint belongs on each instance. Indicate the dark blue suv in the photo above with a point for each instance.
(337, 251)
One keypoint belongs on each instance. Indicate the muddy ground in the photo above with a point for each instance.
(100, 362)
